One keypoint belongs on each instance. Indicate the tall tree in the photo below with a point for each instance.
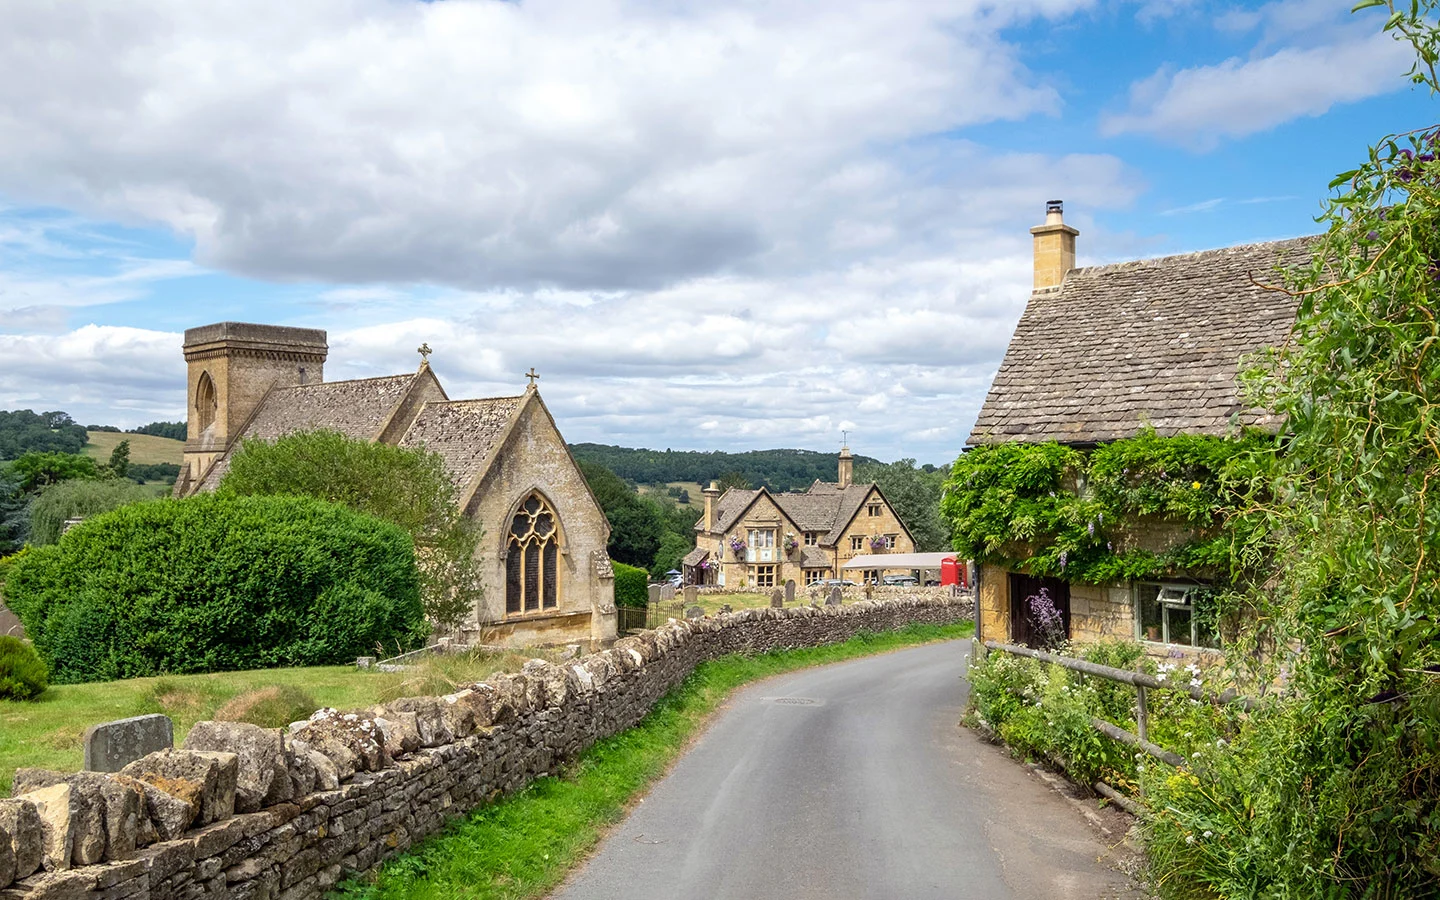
(915, 495)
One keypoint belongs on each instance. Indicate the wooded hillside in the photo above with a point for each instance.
(778, 470)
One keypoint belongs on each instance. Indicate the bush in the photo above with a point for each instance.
(22, 673)
(632, 586)
(82, 498)
(212, 584)
(269, 707)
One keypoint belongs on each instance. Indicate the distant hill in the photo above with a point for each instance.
(778, 470)
(144, 448)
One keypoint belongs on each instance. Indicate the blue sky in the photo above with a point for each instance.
(720, 226)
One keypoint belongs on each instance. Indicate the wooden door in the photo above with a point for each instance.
(1022, 623)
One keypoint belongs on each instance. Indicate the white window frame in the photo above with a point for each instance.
(1171, 596)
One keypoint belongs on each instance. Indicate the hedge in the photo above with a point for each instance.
(214, 584)
(632, 585)
(22, 674)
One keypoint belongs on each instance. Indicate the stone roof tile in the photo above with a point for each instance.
(466, 433)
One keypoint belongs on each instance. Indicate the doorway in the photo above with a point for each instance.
(1023, 627)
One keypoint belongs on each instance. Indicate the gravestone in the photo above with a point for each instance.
(694, 612)
(790, 590)
(692, 594)
(110, 746)
(654, 593)
(834, 598)
(777, 598)
(667, 592)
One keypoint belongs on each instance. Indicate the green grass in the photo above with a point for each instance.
(46, 732)
(524, 845)
(144, 448)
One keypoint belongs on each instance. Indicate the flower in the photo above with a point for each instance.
(1195, 485)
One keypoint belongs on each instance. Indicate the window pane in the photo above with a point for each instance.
(532, 576)
(512, 579)
(551, 583)
(520, 525)
(544, 525)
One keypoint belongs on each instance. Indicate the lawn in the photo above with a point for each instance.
(144, 448)
(524, 845)
(47, 732)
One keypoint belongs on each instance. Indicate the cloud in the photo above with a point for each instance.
(474, 143)
(1201, 106)
(99, 374)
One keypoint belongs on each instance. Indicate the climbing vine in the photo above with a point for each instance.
(1048, 509)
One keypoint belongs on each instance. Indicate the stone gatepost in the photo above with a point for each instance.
(777, 598)
(790, 590)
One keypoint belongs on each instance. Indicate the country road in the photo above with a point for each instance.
(852, 781)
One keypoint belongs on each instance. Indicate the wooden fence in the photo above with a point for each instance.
(1142, 683)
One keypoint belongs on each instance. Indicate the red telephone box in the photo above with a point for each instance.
(952, 572)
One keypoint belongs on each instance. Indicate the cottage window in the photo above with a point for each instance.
(873, 509)
(1175, 614)
(814, 576)
(812, 538)
(761, 546)
(857, 542)
(765, 576)
(532, 580)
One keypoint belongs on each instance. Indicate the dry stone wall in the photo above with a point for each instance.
(246, 812)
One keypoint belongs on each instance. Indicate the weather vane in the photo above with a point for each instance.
(845, 438)
(532, 375)
(424, 351)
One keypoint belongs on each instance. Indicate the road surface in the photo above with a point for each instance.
(852, 781)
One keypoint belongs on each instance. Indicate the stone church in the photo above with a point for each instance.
(547, 577)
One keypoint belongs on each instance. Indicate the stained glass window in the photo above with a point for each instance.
(532, 578)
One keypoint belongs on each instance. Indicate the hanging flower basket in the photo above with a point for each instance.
(738, 547)
(879, 542)
(790, 543)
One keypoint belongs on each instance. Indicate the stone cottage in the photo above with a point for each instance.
(759, 539)
(547, 577)
(1104, 351)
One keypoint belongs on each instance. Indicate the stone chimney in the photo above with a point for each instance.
(711, 493)
(847, 467)
(1054, 247)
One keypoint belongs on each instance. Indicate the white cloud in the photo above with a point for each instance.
(1202, 105)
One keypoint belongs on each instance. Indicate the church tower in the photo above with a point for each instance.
(231, 367)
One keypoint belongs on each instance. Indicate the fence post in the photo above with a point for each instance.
(1142, 715)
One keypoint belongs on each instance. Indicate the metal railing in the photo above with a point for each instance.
(1142, 683)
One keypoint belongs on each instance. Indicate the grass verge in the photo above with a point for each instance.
(524, 845)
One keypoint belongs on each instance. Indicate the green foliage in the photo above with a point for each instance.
(671, 553)
(914, 494)
(632, 586)
(78, 498)
(176, 431)
(1048, 509)
(22, 431)
(408, 487)
(35, 470)
(143, 472)
(119, 463)
(635, 524)
(274, 706)
(778, 470)
(14, 512)
(22, 673)
(214, 583)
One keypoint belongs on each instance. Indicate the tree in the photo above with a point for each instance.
(23, 431)
(409, 487)
(915, 496)
(14, 512)
(35, 470)
(78, 498)
(119, 464)
(635, 525)
(733, 479)
(176, 431)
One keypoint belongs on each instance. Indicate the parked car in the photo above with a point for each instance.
(676, 580)
(900, 581)
(837, 582)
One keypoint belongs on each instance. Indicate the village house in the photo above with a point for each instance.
(1102, 352)
(759, 539)
(547, 577)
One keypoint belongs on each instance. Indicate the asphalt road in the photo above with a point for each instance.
(852, 781)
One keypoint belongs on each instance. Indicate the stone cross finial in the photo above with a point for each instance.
(533, 376)
(424, 351)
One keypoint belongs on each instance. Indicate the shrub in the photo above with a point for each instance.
(214, 583)
(632, 586)
(22, 673)
(274, 706)
(69, 499)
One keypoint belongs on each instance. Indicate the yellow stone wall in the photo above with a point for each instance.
(864, 525)
(1101, 611)
(994, 594)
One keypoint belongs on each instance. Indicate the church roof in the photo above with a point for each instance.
(465, 433)
(1150, 342)
(356, 408)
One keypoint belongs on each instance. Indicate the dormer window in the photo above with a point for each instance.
(873, 509)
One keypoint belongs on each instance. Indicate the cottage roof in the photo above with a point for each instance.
(466, 433)
(826, 507)
(814, 558)
(1151, 342)
(695, 557)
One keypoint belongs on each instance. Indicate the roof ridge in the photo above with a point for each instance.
(1188, 255)
(292, 387)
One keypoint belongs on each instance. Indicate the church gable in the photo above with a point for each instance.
(465, 433)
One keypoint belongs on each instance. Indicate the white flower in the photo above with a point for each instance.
(1193, 669)
(1189, 838)
(1195, 682)
(1195, 755)
(1220, 743)
(1207, 834)
(1161, 675)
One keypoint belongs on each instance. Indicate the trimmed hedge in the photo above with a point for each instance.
(212, 584)
(632, 585)
(22, 672)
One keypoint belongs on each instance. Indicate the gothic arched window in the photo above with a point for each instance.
(532, 558)
(205, 404)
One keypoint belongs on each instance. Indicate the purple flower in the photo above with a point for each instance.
(1373, 235)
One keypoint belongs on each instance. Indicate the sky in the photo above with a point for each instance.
(707, 225)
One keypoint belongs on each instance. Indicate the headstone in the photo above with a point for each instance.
(110, 746)
(364, 662)
(869, 590)
(727, 608)
(692, 594)
(654, 593)
(694, 612)
(834, 598)
(790, 590)
(667, 592)
(777, 598)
